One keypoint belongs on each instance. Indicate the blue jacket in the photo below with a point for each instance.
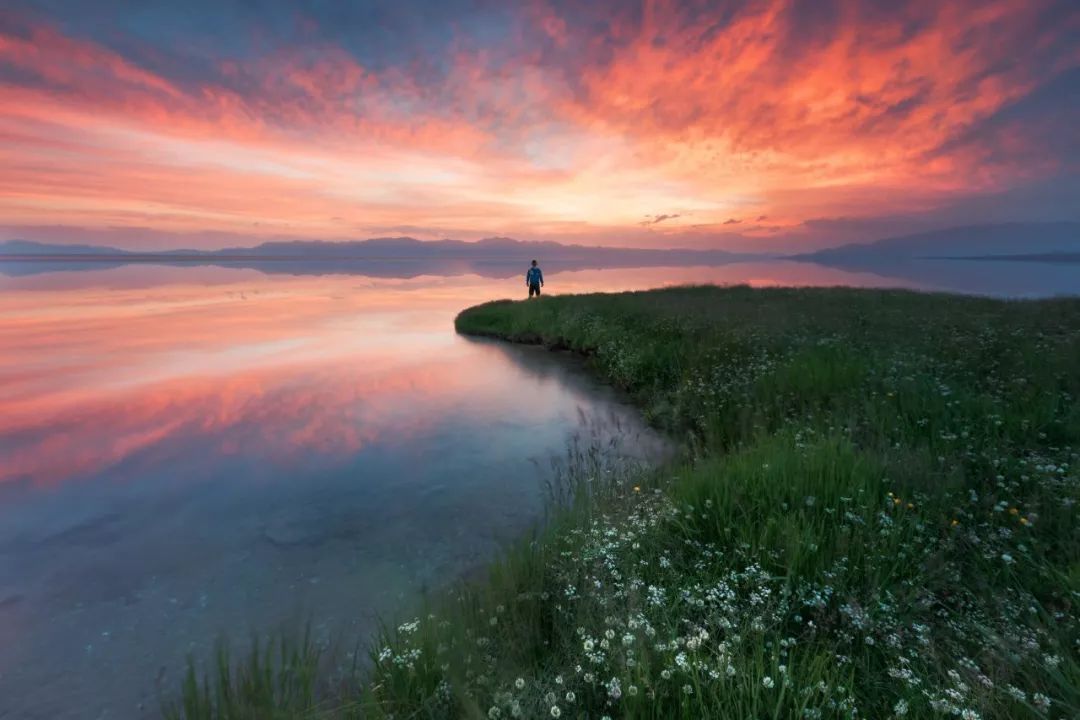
(534, 276)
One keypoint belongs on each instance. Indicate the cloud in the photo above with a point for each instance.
(523, 119)
(655, 219)
(732, 221)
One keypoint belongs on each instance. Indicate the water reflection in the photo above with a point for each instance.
(229, 451)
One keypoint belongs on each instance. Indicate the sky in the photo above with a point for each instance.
(771, 125)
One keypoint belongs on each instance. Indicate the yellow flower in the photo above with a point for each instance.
(637, 488)
(955, 522)
(1023, 521)
(1013, 511)
(896, 501)
(909, 506)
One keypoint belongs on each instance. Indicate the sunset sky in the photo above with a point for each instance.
(771, 125)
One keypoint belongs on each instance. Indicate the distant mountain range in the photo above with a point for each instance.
(396, 248)
(1046, 241)
(386, 257)
(1057, 242)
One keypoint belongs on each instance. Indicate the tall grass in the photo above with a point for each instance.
(276, 680)
(874, 516)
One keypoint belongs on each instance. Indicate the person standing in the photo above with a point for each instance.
(534, 278)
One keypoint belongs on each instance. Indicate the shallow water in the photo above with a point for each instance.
(191, 451)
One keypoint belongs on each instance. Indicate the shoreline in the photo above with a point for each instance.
(866, 492)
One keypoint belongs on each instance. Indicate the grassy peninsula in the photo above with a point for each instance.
(874, 516)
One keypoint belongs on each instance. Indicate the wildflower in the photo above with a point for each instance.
(1041, 701)
(632, 691)
(666, 674)
(494, 713)
(558, 680)
(520, 683)
(1007, 558)
(570, 697)
(768, 682)
(1013, 511)
(955, 522)
(555, 711)
(688, 689)
(637, 488)
(900, 708)
(589, 645)
(969, 715)
(1023, 521)
(515, 709)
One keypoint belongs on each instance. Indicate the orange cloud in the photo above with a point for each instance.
(773, 108)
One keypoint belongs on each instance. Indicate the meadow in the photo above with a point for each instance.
(873, 515)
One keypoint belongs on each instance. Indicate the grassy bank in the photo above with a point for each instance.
(875, 517)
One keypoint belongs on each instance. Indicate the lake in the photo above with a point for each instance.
(187, 452)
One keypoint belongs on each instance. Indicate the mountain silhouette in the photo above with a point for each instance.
(401, 257)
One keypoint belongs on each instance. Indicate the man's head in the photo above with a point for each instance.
(534, 263)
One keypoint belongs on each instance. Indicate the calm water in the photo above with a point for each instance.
(186, 452)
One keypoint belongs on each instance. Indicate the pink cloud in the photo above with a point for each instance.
(759, 115)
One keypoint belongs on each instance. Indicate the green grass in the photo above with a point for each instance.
(874, 516)
(275, 681)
